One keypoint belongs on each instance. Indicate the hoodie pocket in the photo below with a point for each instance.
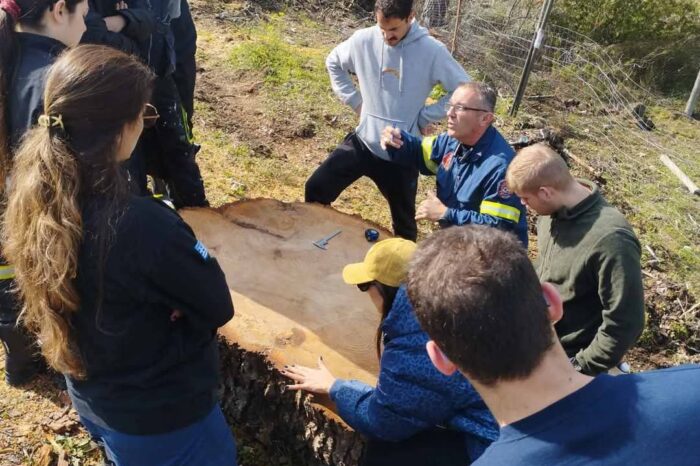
(372, 125)
(370, 131)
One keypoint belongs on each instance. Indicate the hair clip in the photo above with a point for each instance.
(49, 121)
(11, 8)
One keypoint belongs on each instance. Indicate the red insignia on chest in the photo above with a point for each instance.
(447, 160)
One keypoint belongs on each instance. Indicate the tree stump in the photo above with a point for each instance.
(291, 306)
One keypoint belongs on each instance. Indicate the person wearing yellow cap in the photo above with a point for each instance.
(415, 415)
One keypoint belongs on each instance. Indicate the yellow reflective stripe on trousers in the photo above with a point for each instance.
(427, 147)
(186, 124)
(165, 200)
(7, 272)
(504, 211)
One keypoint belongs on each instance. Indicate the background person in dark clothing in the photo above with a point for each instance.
(123, 28)
(588, 250)
(490, 318)
(147, 29)
(185, 74)
(47, 29)
(124, 299)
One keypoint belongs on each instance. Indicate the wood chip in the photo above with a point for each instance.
(63, 459)
(44, 456)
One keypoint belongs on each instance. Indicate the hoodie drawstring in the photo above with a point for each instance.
(381, 67)
(401, 69)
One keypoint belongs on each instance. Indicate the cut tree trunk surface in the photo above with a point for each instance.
(291, 306)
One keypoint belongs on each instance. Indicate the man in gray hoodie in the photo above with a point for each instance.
(397, 64)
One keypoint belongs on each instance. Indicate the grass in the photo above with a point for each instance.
(287, 66)
(293, 70)
(655, 202)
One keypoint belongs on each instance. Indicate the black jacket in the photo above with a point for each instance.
(147, 374)
(33, 57)
(147, 34)
(185, 74)
(135, 36)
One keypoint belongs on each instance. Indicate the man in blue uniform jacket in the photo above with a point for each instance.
(469, 162)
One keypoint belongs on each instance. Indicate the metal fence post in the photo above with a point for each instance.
(534, 46)
(693, 100)
(457, 20)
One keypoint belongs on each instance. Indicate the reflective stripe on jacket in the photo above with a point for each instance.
(470, 180)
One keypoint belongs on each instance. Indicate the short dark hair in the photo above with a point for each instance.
(478, 297)
(394, 8)
(487, 93)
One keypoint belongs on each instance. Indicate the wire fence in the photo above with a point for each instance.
(493, 38)
(586, 97)
(574, 78)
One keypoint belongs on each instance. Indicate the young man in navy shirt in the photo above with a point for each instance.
(489, 317)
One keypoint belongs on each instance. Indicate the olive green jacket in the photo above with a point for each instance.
(591, 254)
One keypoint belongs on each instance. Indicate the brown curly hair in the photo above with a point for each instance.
(60, 172)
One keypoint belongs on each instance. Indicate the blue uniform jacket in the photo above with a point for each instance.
(411, 395)
(470, 180)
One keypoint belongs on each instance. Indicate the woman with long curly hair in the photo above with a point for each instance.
(32, 34)
(123, 298)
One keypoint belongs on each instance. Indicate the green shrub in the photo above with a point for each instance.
(659, 41)
(616, 21)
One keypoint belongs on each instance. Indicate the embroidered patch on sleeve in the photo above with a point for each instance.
(503, 191)
(201, 249)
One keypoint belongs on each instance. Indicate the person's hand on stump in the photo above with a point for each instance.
(315, 380)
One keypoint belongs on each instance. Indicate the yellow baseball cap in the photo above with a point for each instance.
(385, 262)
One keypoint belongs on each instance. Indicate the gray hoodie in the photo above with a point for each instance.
(394, 81)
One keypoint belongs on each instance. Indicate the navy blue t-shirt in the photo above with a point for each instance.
(651, 418)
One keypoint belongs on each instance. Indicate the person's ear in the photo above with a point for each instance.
(411, 16)
(59, 11)
(555, 306)
(545, 193)
(441, 362)
(487, 119)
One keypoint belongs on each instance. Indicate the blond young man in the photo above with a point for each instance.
(589, 252)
